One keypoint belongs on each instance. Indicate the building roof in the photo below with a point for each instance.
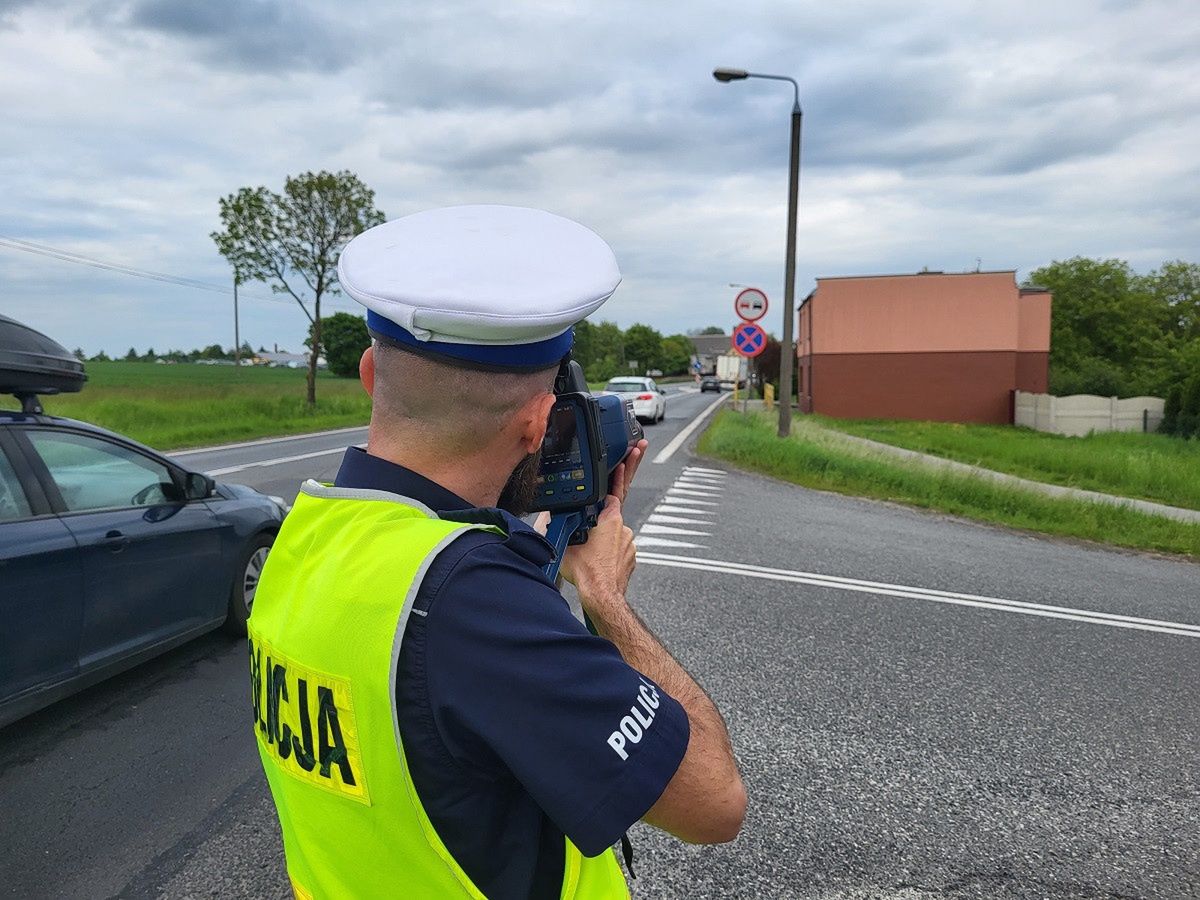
(907, 275)
(711, 344)
(1012, 272)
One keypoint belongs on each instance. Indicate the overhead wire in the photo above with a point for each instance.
(71, 256)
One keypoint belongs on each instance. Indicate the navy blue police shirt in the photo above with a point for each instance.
(509, 709)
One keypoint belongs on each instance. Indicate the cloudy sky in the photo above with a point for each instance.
(936, 135)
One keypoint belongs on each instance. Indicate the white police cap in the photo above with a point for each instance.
(492, 286)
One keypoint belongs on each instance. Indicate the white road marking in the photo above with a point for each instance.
(701, 477)
(717, 472)
(682, 510)
(692, 492)
(667, 529)
(997, 604)
(674, 520)
(229, 470)
(676, 442)
(689, 501)
(699, 486)
(663, 542)
(261, 441)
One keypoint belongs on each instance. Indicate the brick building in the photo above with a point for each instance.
(932, 346)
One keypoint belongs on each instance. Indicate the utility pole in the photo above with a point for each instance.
(237, 339)
(787, 364)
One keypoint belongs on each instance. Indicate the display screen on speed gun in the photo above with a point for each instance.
(562, 439)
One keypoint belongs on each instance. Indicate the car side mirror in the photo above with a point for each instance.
(198, 486)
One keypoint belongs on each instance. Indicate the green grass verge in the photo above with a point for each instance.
(1146, 466)
(813, 458)
(170, 407)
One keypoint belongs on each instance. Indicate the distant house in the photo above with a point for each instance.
(707, 347)
(932, 346)
(286, 360)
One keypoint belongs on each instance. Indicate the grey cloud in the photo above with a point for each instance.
(266, 35)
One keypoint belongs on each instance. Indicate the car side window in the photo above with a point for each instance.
(92, 473)
(13, 503)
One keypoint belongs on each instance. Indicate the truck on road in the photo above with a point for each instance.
(731, 369)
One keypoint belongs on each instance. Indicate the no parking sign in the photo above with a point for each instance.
(749, 340)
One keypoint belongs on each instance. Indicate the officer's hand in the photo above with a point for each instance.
(601, 568)
(623, 474)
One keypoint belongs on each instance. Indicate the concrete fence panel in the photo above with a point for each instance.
(1081, 414)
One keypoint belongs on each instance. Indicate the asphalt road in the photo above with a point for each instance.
(922, 708)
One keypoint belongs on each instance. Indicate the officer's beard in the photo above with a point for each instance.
(519, 493)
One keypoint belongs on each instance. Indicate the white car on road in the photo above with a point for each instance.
(649, 400)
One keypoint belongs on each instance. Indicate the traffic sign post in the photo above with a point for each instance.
(749, 340)
(750, 305)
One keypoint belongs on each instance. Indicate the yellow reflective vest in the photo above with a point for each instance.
(324, 640)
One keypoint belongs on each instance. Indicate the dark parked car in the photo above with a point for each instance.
(110, 553)
(710, 383)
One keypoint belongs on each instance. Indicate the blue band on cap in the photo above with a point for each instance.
(537, 355)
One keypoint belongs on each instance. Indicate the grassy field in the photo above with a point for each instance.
(1146, 466)
(813, 458)
(171, 407)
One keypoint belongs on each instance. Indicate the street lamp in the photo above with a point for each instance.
(788, 361)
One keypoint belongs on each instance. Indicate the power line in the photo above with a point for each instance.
(81, 259)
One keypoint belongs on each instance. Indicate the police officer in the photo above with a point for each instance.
(432, 719)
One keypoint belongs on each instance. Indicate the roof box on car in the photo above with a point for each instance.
(32, 364)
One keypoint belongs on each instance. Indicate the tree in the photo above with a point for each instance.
(644, 345)
(1176, 288)
(291, 241)
(345, 337)
(1106, 328)
(707, 329)
(212, 351)
(676, 354)
(132, 356)
(79, 354)
(100, 357)
(150, 356)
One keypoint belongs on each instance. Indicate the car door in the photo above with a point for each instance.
(41, 585)
(151, 562)
(659, 397)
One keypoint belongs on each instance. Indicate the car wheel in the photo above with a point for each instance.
(245, 582)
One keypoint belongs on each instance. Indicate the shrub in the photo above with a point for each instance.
(1092, 376)
(1189, 408)
(1170, 422)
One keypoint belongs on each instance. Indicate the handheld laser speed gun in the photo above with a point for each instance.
(586, 439)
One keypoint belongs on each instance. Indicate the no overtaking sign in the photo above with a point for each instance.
(750, 305)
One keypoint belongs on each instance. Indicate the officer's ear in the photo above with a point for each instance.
(366, 370)
(535, 415)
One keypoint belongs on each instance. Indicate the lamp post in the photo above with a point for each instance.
(787, 363)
